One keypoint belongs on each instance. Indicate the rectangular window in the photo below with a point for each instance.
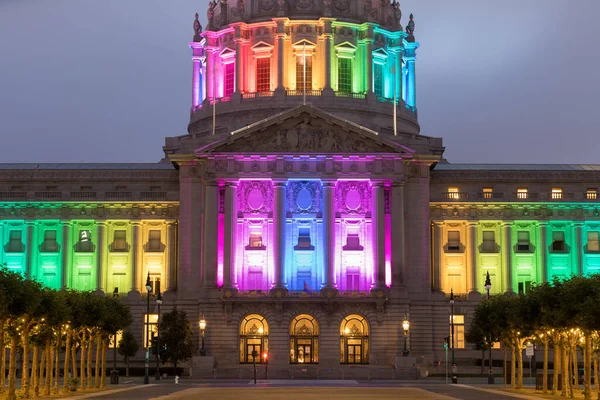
(352, 280)
(229, 79)
(154, 243)
(255, 279)
(592, 241)
(154, 283)
(84, 243)
(352, 239)
(300, 72)
(453, 240)
(50, 245)
(112, 341)
(345, 75)
(453, 193)
(304, 238)
(489, 242)
(523, 241)
(255, 241)
(263, 74)
(557, 194)
(15, 243)
(488, 193)
(150, 325)
(558, 241)
(591, 194)
(120, 240)
(459, 331)
(522, 193)
(378, 79)
(524, 287)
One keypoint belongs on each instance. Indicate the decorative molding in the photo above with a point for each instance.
(358, 206)
(313, 188)
(259, 188)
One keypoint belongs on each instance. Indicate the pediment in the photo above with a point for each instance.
(382, 53)
(303, 43)
(345, 46)
(304, 130)
(262, 46)
(227, 53)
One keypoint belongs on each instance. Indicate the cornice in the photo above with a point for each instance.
(515, 211)
(79, 210)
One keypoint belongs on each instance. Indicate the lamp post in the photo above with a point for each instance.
(405, 327)
(158, 303)
(454, 377)
(202, 324)
(488, 287)
(147, 364)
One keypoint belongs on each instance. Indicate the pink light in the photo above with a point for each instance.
(220, 248)
(388, 250)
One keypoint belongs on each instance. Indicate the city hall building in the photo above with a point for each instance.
(304, 215)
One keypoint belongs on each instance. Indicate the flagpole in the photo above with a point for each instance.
(304, 73)
(395, 83)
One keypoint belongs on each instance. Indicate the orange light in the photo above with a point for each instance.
(265, 356)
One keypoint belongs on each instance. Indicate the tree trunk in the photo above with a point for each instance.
(103, 369)
(41, 378)
(90, 348)
(12, 368)
(482, 361)
(97, 367)
(74, 359)
(596, 376)
(587, 368)
(556, 370)
(2, 358)
(34, 368)
(126, 366)
(570, 377)
(505, 352)
(513, 366)
(520, 358)
(57, 363)
(575, 364)
(66, 363)
(82, 362)
(25, 371)
(48, 377)
(545, 369)
(565, 370)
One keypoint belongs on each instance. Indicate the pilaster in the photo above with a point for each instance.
(31, 267)
(136, 267)
(472, 259)
(578, 253)
(378, 218)
(279, 224)
(102, 270)
(542, 252)
(398, 235)
(508, 284)
(211, 212)
(329, 284)
(172, 260)
(438, 274)
(230, 225)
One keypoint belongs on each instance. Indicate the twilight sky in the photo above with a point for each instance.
(513, 81)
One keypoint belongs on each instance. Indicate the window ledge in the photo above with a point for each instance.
(256, 248)
(311, 248)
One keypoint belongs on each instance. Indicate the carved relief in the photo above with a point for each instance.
(304, 4)
(341, 5)
(255, 197)
(304, 197)
(353, 197)
(266, 5)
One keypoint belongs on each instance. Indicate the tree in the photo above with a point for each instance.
(128, 347)
(176, 334)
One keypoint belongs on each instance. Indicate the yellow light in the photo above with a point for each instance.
(260, 330)
(346, 331)
(202, 324)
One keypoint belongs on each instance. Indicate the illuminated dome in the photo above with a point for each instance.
(257, 58)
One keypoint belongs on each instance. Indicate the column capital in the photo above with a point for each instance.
(397, 184)
(578, 224)
(328, 183)
(279, 183)
(437, 224)
(232, 183)
(472, 224)
(507, 224)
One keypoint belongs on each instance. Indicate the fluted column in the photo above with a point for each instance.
(280, 55)
(211, 214)
(136, 268)
(578, 253)
(398, 75)
(239, 66)
(328, 235)
(397, 231)
(411, 93)
(210, 73)
(172, 260)
(369, 64)
(472, 267)
(327, 35)
(230, 224)
(279, 237)
(507, 256)
(542, 252)
(438, 273)
(101, 272)
(196, 82)
(378, 223)
(66, 253)
(32, 251)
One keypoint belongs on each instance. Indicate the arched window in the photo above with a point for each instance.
(354, 340)
(254, 339)
(304, 340)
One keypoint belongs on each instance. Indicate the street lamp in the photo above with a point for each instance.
(488, 287)
(148, 289)
(158, 303)
(454, 377)
(202, 324)
(405, 327)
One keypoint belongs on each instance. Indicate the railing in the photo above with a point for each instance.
(265, 94)
(13, 195)
(526, 195)
(591, 196)
(48, 195)
(490, 195)
(313, 93)
(118, 195)
(83, 195)
(455, 195)
(153, 195)
(350, 95)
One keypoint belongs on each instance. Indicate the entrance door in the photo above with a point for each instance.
(304, 351)
(251, 346)
(354, 352)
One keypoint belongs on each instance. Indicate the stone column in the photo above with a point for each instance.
(578, 253)
(328, 236)
(411, 92)
(172, 260)
(196, 82)
(239, 66)
(437, 259)
(369, 66)
(210, 73)
(280, 55)
(31, 267)
(327, 34)
(398, 234)
(102, 271)
(542, 252)
(472, 266)
(66, 254)
(378, 223)
(279, 239)
(211, 218)
(136, 268)
(398, 75)
(230, 224)
(506, 226)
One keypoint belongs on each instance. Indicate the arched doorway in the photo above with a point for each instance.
(304, 340)
(254, 339)
(354, 340)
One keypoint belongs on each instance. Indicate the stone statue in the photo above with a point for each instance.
(197, 29)
(410, 28)
(210, 13)
(241, 9)
(397, 11)
(281, 8)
